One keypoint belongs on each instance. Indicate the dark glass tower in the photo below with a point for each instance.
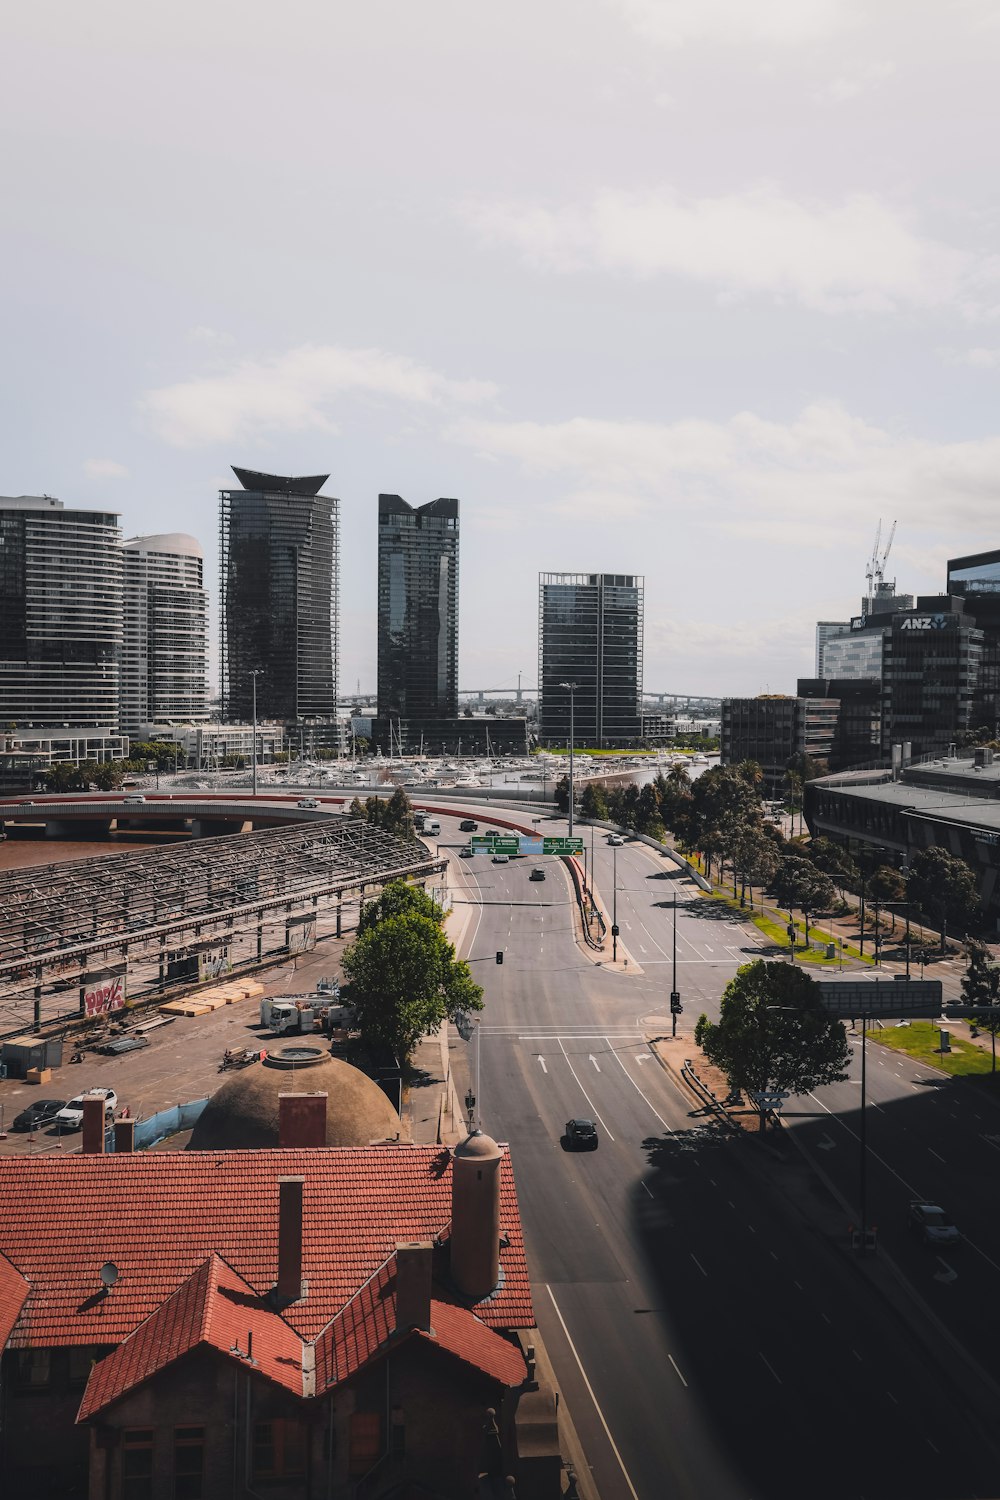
(279, 554)
(417, 610)
(590, 633)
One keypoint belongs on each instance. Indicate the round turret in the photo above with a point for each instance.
(475, 1216)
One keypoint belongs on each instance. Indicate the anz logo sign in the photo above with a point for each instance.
(926, 622)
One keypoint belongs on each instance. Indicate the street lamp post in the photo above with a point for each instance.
(675, 999)
(253, 756)
(614, 903)
(571, 689)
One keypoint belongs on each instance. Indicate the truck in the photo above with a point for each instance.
(291, 1014)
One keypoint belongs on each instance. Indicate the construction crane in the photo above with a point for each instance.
(875, 571)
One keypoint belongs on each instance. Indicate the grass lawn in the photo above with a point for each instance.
(778, 935)
(919, 1040)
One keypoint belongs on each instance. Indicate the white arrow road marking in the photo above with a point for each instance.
(542, 1061)
(948, 1274)
(642, 1057)
(826, 1144)
(594, 1061)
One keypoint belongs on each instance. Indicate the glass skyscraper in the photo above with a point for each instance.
(417, 611)
(60, 615)
(165, 646)
(279, 557)
(590, 633)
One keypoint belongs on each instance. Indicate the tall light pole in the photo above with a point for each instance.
(571, 689)
(253, 761)
(614, 903)
(675, 999)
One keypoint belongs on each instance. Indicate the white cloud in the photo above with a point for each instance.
(857, 254)
(293, 392)
(813, 481)
(847, 86)
(980, 358)
(788, 23)
(214, 338)
(104, 468)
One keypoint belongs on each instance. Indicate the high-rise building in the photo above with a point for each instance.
(590, 634)
(417, 610)
(827, 630)
(776, 731)
(279, 563)
(60, 614)
(165, 644)
(931, 667)
(976, 579)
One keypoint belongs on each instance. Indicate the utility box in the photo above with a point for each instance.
(22, 1053)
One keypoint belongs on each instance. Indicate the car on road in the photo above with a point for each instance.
(134, 801)
(616, 840)
(501, 859)
(582, 1134)
(537, 873)
(70, 1117)
(307, 802)
(468, 825)
(932, 1225)
(42, 1112)
(466, 852)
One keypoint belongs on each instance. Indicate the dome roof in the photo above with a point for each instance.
(477, 1147)
(243, 1113)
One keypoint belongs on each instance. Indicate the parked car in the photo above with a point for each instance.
(42, 1112)
(537, 873)
(582, 1133)
(932, 1225)
(469, 825)
(70, 1117)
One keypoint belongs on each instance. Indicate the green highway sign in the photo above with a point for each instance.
(490, 843)
(562, 846)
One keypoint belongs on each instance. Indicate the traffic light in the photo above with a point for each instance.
(676, 1008)
(500, 957)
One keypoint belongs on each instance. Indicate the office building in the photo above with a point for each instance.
(417, 609)
(279, 555)
(827, 630)
(931, 666)
(60, 615)
(775, 731)
(857, 739)
(590, 633)
(165, 632)
(976, 580)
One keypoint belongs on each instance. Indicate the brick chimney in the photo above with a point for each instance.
(289, 1286)
(414, 1261)
(302, 1119)
(124, 1136)
(93, 1126)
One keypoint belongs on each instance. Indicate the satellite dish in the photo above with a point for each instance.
(109, 1273)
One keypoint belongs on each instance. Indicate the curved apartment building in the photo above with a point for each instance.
(60, 614)
(165, 645)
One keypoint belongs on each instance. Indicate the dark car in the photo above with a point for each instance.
(466, 852)
(468, 825)
(42, 1112)
(582, 1133)
(537, 873)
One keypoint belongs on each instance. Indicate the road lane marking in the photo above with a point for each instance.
(680, 1377)
(542, 1061)
(892, 1398)
(698, 1263)
(648, 1188)
(937, 1154)
(770, 1367)
(594, 1061)
(638, 1090)
(590, 1392)
(583, 1091)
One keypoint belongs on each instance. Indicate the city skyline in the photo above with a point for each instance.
(717, 284)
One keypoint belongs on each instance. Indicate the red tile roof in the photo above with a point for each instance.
(214, 1308)
(13, 1295)
(159, 1216)
(359, 1332)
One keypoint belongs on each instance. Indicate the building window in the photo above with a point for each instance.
(279, 1449)
(137, 1463)
(80, 1364)
(366, 1441)
(189, 1462)
(34, 1369)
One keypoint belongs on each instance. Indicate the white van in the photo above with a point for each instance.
(432, 826)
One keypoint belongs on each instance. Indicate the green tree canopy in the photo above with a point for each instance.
(773, 1035)
(981, 985)
(405, 980)
(398, 899)
(594, 802)
(941, 884)
(834, 860)
(798, 884)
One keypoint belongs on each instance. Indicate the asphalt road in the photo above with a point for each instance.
(712, 1342)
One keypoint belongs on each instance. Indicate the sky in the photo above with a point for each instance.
(697, 289)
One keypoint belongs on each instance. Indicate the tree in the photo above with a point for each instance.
(798, 883)
(981, 986)
(560, 794)
(773, 1035)
(63, 776)
(405, 980)
(357, 808)
(885, 887)
(755, 859)
(594, 802)
(938, 882)
(108, 775)
(398, 899)
(834, 860)
(647, 812)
